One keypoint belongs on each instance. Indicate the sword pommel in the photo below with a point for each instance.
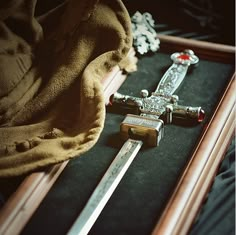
(187, 57)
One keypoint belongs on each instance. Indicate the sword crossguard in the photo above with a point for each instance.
(162, 102)
(159, 105)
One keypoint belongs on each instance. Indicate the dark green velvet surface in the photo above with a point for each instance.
(140, 198)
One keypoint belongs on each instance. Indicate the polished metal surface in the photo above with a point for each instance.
(106, 187)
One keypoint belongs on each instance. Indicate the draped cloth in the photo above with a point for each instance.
(53, 56)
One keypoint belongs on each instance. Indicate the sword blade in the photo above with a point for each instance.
(106, 187)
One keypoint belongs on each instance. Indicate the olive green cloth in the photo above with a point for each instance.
(51, 66)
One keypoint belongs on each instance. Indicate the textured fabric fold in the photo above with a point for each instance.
(55, 109)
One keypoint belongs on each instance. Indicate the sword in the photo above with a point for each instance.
(136, 129)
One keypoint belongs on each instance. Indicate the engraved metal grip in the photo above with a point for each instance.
(174, 76)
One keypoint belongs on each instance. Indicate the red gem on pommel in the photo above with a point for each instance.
(184, 57)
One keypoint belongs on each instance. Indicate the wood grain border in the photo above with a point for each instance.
(198, 176)
(196, 180)
(194, 184)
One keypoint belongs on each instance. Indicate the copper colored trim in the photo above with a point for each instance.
(207, 50)
(28, 196)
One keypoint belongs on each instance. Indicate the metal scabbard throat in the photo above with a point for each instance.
(51, 97)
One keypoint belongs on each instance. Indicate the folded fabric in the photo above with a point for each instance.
(53, 56)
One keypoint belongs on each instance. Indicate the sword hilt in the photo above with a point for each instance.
(148, 127)
(150, 130)
(162, 101)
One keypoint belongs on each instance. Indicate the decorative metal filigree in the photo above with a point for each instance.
(144, 34)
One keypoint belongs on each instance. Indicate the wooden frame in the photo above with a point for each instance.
(198, 175)
(194, 184)
(196, 179)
